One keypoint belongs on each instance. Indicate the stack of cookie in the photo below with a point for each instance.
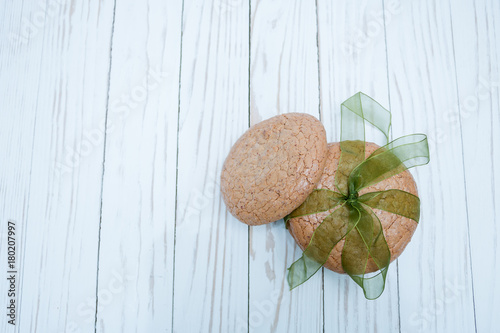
(278, 163)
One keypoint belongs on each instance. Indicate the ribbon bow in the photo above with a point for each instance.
(353, 217)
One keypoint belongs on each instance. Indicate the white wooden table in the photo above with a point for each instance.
(124, 230)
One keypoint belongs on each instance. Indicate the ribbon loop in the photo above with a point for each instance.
(355, 111)
(395, 157)
(358, 109)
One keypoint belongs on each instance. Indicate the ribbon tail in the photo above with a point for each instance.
(366, 241)
(325, 237)
(373, 286)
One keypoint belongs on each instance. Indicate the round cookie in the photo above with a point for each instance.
(398, 230)
(274, 167)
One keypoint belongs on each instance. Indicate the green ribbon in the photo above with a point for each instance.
(352, 217)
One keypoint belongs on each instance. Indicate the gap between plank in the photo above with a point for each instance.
(249, 124)
(320, 119)
(177, 163)
(104, 166)
(390, 108)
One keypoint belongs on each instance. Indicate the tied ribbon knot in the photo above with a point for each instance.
(352, 217)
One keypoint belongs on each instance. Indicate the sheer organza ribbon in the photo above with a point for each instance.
(352, 218)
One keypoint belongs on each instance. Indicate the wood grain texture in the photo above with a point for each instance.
(435, 283)
(284, 78)
(352, 55)
(475, 28)
(18, 117)
(211, 248)
(138, 216)
(60, 245)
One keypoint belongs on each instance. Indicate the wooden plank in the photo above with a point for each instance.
(284, 78)
(138, 215)
(20, 60)
(63, 210)
(476, 27)
(211, 251)
(435, 284)
(352, 54)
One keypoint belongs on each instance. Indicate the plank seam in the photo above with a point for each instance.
(177, 165)
(104, 165)
(319, 67)
(249, 124)
(390, 108)
(320, 119)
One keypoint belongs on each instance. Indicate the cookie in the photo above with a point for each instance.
(398, 230)
(274, 167)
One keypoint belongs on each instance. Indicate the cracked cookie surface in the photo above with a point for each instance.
(274, 167)
(398, 230)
